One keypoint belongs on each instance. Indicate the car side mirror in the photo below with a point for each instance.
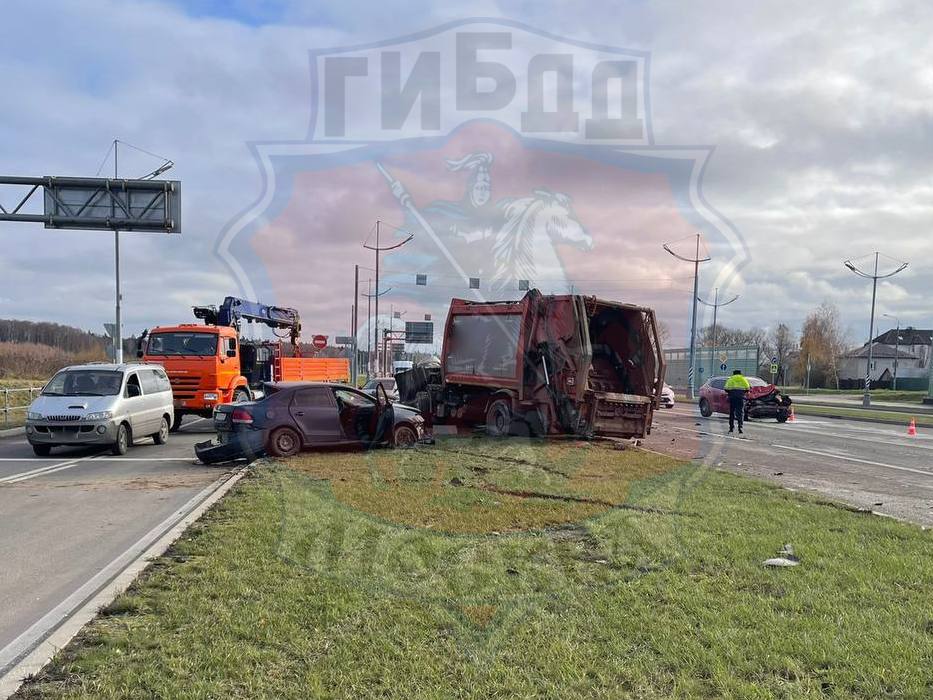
(133, 390)
(139, 353)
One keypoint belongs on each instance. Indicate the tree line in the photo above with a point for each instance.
(55, 335)
(821, 341)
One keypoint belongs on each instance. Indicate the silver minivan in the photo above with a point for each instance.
(101, 404)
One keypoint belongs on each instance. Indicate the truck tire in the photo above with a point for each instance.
(284, 442)
(241, 395)
(705, 409)
(499, 418)
(176, 422)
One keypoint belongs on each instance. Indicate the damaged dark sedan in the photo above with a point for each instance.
(294, 416)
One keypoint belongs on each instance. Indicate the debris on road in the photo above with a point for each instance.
(786, 558)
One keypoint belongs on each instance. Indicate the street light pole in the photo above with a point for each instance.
(378, 250)
(696, 260)
(897, 347)
(874, 277)
(716, 304)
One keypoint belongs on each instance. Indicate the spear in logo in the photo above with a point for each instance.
(405, 200)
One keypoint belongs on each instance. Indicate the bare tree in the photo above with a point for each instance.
(823, 341)
(784, 343)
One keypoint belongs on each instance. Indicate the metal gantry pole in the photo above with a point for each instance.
(378, 250)
(874, 277)
(355, 365)
(897, 346)
(118, 331)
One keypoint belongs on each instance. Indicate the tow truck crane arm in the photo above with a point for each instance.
(233, 311)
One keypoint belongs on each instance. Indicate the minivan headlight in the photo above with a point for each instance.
(99, 415)
(33, 415)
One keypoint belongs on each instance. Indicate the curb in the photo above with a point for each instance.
(33, 659)
(857, 419)
(10, 432)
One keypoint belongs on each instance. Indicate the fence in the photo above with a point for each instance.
(903, 384)
(710, 363)
(16, 401)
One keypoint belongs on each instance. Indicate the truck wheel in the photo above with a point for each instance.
(240, 396)
(176, 421)
(284, 442)
(499, 418)
(161, 437)
(405, 437)
(705, 409)
(123, 441)
(42, 450)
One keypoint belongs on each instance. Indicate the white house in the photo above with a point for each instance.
(909, 350)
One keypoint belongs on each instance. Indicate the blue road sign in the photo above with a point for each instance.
(723, 366)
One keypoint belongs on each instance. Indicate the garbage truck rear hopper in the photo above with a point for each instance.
(545, 364)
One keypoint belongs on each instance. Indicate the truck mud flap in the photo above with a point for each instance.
(210, 452)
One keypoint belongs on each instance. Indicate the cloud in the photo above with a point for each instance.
(821, 121)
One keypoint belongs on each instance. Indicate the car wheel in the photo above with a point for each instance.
(240, 396)
(705, 409)
(123, 441)
(405, 437)
(42, 450)
(284, 442)
(161, 437)
(499, 418)
(176, 422)
(781, 417)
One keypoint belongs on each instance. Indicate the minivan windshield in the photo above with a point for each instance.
(388, 384)
(84, 382)
(183, 343)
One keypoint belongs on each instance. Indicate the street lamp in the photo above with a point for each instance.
(897, 346)
(874, 277)
(696, 260)
(716, 304)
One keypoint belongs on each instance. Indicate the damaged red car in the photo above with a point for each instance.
(762, 401)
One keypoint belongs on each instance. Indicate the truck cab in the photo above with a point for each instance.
(204, 365)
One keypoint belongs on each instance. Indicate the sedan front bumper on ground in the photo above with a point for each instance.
(247, 445)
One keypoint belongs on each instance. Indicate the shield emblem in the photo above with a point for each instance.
(514, 159)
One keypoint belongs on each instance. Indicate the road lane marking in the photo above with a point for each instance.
(32, 473)
(31, 650)
(854, 459)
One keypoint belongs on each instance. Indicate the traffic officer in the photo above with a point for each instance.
(736, 388)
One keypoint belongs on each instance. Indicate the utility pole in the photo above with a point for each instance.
(118, 332)
(696, 260)
(354, 328)
(897, 347)
(716, 304)
(373, 361)
(874, 277)
(378, 250)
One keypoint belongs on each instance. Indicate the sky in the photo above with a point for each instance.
(792, 136)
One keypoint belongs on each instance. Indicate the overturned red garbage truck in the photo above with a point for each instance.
(545, 364)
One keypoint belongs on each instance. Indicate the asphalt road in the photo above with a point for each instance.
(67, 519)
(866, 465)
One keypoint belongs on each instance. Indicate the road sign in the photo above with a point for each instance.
(419, 331)
(774, 368)
(700, 370)
(774, 359)
(723, 357)
(111, 329)
(319, 341)
(343, 340)
(723, 366)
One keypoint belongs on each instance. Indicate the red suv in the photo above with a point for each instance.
(763, 400)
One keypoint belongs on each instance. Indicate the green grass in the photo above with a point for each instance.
(877, 394)
(460, 572)
(864, 413)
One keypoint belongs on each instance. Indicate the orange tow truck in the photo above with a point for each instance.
(210, 363)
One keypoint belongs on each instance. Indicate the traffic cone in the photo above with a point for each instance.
(912, 427)
(791, 418)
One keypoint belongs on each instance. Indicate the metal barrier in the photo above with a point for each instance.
(9, 404)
